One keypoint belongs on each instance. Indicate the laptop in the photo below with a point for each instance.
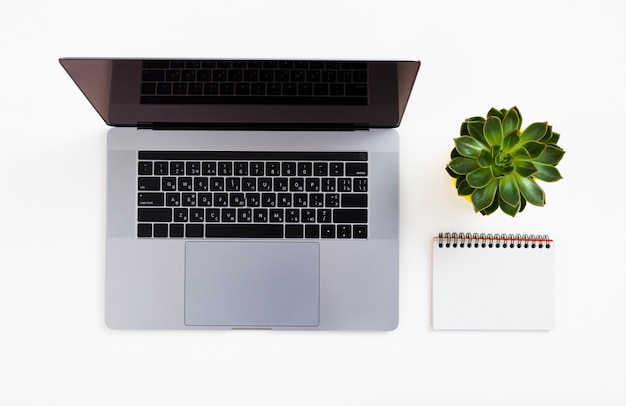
(250, 194)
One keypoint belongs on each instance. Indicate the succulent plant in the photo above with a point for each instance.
(497, 164)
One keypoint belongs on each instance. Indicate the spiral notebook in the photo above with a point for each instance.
(493, 282)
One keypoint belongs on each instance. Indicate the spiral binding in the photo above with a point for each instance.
(482, 240)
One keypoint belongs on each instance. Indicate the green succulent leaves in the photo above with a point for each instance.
(497, 164)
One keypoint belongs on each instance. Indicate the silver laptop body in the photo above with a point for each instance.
(205, 245)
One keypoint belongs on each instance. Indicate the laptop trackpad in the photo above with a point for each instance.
(256, 284)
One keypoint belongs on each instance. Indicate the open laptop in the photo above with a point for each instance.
(257, 194)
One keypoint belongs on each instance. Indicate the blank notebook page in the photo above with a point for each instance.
(502, 287)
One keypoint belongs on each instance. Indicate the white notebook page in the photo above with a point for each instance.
(493, 288)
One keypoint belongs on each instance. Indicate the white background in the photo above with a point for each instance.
(559, 61)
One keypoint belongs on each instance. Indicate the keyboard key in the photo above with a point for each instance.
(161, 230)
(281, 184)
(220, 199)
(350, 216)
(160, 215)
(192, 168)
(168, 183)
(189, 199)
(212, 215)
(216, 184)
(296, 185)
(144, 230)
(194, 230)
(360, 185)
(209, 168)
(332, 200)
(241, 169)
(224, 168)
(150, 199)
(161, 168)
(308, 216)
(233, 184)
(323, 216)
(277, 216)
(329, 184)
(253, 199)
(316, 200)
(148, 184)
(172, 199)
(300, 200)
(244, 215)
(200, 183)
(205, 199)
(181, 215)
(248, 184)
(197, 215)
(359, 231)
(284, 200)
(344, 231)
(185, 183)
(229, 215)
(288, 169)
(294, 231)
(177, 230)
(328, 231)
(177, 168)
(244, 230)
(257, 169)
(336, 169)
(320, 169)
(312, 231)
(356, 169)
(292, 216)
(353, 200)
(237, 200)
(260, 215)
(268, 199)
(145, 168)
(265, 184)
(305, 169)
(272, 169)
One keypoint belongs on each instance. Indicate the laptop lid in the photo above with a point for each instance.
(227, 94)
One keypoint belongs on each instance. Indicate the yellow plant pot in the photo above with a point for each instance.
(468, 197)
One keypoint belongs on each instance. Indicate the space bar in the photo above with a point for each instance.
(244, 231)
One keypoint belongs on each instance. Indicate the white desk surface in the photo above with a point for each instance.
(560, 61)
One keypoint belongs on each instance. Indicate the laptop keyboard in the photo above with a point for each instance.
(184, 194)
(254, 82)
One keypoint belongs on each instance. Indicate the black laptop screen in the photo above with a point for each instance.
(245, 93)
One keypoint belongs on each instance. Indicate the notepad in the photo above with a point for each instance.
(493, 282)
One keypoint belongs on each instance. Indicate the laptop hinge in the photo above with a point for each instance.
(255, 126)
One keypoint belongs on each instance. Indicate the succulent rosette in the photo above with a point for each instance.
(497, 164)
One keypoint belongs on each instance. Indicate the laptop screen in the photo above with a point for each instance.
(247, 94)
